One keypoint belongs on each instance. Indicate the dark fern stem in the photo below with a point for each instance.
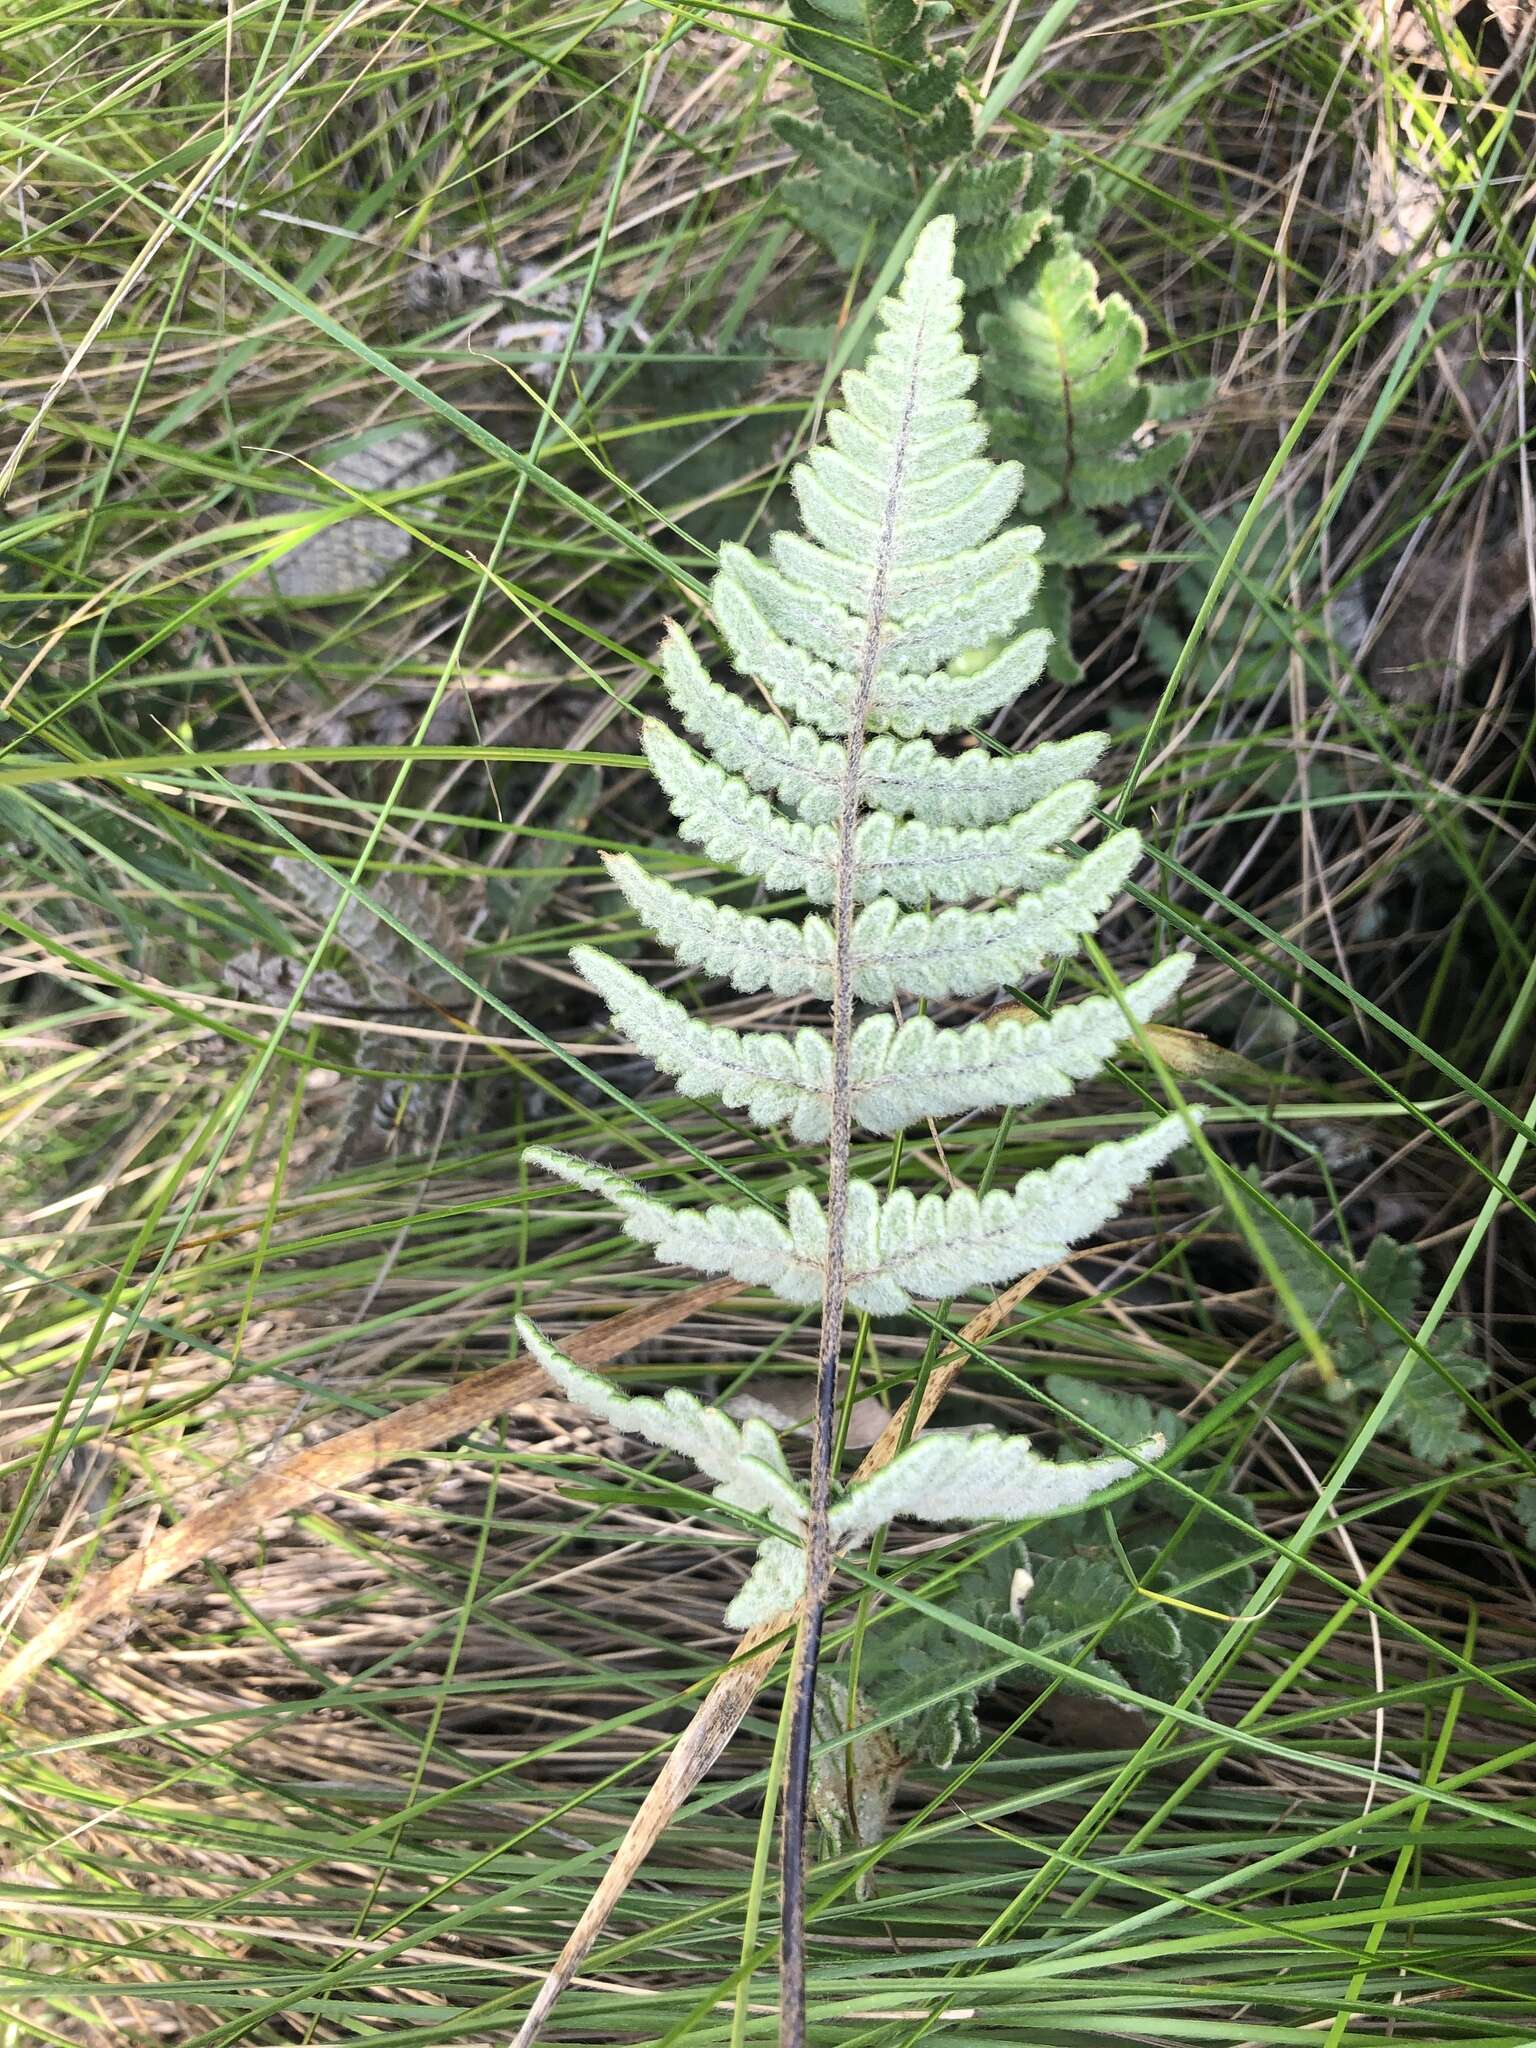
(819, 1563)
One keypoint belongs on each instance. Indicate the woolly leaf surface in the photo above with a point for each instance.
(750, 1244)
(898, 1247)
(908, 777)
(951, 952)
(912, 593)
(745, 1461)
(933, 1245)
(904, 702)
(976, 1476)
(993, 599)
(901, 1074)
(906, 859)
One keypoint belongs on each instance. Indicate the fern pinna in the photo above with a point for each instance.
(858, 631)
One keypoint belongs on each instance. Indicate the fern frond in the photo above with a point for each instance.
(898, 1247)
(906, 1073)
(848, 177)
(901, 1073)
(900, 612)
(908, 777)
(775, 1078)
(826, 217)
(981, 194)
(1100, 482)
(950, 953)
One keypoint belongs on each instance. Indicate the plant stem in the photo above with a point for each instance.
(834, 1301)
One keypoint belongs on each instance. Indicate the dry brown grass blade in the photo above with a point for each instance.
(720, 1714)
(725, 1705)
(237, 1517)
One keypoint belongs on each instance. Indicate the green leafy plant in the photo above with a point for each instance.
(855, 628)
(1065, 395)
(893, 118)
(1353, 1321)
(1061, 362)
(1134, 1591)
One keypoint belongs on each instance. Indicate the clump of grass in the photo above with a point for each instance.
(262, 1156)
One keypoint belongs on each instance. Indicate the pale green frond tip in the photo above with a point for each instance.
(945, 1477)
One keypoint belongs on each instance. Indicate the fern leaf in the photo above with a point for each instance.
(1070, 540)
(1179, 401)
(828, 220)
(747, 1465)
(1430, 1415)
(908, 777)
(924, 589)
(900, 1247)
(977, 1476)
(901, 858)
(933, 88)
(749, 1244)
(903, 703)
(1062, 335)
(910, 1246)
(901, 1074)
(904, 1074)
(989, 256)
(776, 1079)
(1076, 1596)
(843, 506)
(746, 1460)
(995, 596)
(950, 953)
(849, 176)
(833, 38)
(1066, 365)
(1111, 1413)
(1100, 481)
(981, 194)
